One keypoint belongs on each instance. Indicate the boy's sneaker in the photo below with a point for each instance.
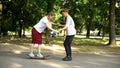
(67, 58)
(31, 55)
(40, 56)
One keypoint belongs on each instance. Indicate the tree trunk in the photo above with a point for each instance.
(20, 29)
(89, 27)
(21, 17)
(98, 34)
(103, 32)
(90, 16)
(24, 32)
(49, 8)
(112, 40)
(0, 16)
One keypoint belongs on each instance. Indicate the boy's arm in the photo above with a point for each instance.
(64, 28)
(58, 24)
(49, 26)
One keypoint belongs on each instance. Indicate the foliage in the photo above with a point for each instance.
(28, 13)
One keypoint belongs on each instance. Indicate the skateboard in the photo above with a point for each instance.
(35, 57)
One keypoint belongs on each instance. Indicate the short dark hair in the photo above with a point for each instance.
(64, 10)
(51, 13)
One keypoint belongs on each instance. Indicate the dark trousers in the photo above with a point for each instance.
(67, 45)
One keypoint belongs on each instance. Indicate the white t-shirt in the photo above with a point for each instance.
(41, 25)
(70, 26)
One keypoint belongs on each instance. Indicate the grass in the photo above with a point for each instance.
(92, 45)
(81, 41)
(81, 44)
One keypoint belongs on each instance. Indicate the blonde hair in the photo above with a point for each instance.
(51, 14)
(64, 10)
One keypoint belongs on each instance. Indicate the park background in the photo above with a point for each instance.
(97, 22)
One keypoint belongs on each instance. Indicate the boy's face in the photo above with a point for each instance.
(51, 17)
(64, 14)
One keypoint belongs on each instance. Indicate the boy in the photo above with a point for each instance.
(37, 33)
(70, 32)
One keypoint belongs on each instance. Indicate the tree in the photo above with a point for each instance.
(21, 5)
(50, 6)
(19, 15)
(112, 40)
(117, 11)
(90, 14)
(0, 15)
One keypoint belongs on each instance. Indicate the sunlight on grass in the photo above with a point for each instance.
(88, 42)
(16, 51)
(79, 44)
(118, 43)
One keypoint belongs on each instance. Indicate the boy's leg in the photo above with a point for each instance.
(39, 48)
(32, 45)
(31, 51)
(39, 51)
(32, 48)
(67, 45)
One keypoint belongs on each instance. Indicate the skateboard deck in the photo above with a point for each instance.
(42, 58)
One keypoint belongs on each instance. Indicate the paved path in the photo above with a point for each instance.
(15, 56)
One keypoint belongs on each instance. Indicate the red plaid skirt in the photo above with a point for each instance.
(36, 37)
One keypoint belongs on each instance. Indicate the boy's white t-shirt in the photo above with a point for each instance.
(41, 25)
(70, 26)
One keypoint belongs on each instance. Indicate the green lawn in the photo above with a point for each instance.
(89, 45)
(82, 44)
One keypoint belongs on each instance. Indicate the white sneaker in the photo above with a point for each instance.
(40, 56)
(31, 55)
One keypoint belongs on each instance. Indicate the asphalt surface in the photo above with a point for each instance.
(15, 56)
